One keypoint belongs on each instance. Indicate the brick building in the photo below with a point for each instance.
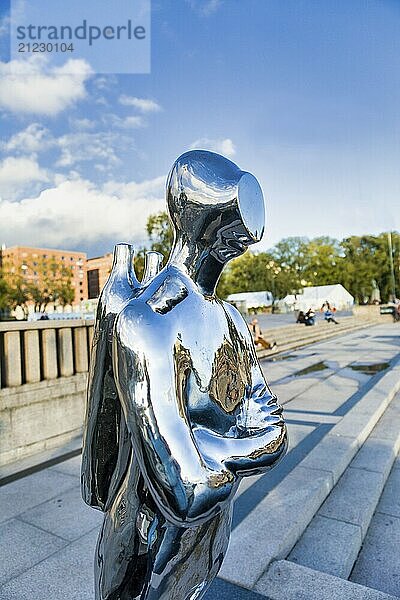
(98, 270)
(23, 260)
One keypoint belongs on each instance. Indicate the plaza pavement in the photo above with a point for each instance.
(324, 524)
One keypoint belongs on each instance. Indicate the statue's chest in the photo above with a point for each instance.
(214, 373)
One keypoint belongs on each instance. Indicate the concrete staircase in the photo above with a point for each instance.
(303, 539)
(297, 335)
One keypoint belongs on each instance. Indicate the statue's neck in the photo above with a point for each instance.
(198, 263)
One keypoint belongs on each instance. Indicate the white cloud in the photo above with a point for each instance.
(77, 212)
(35, 138)
(84, 146)
(16, 174)
(80, 124)
(32, 87)
(105, 82)
(222, 146)
(130, 122)
(143, 104)
(79, 146)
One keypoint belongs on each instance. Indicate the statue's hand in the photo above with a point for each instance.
(259, 411)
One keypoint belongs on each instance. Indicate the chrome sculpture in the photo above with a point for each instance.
(197, 413)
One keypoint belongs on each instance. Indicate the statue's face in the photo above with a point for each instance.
(212, 202)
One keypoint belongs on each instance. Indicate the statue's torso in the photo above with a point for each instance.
(212, 349)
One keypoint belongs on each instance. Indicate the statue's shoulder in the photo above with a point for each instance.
(232, 311)
(151, 317)
(236, 317)
(137, 327)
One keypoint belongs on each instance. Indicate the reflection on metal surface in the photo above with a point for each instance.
(106, 447)
(198, 411)
(153, 264)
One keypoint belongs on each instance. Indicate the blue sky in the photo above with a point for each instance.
(303, 93)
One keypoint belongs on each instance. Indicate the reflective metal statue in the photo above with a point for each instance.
(196, 410)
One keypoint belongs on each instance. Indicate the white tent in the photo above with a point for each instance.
(247, 300)
(314, 297)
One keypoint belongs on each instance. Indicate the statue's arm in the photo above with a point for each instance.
(187, 488)
(259, 438)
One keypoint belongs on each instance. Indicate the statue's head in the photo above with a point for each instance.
(216, 205)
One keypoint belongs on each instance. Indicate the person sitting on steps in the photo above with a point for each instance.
(258, 338)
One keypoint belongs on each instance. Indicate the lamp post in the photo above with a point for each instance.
(392, 278)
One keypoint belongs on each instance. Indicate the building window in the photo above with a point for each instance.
(93, 283)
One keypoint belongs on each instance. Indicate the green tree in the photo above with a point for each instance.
(255, 272)
(366, 258)
(323, 261)
(297, 262)
(160, 232)
(43, 283)
(139, 263)
(19, 294)
(52, 285)
(4, 294)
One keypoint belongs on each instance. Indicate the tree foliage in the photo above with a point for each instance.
(358, 263)
(43, 283)
(4, 294)
(160, 232)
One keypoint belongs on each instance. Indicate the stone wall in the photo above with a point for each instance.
(44, 368)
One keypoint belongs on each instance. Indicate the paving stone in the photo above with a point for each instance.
(333, 453)
(25, 546)
(297, 433)
(388, 425)
(362, 418)
(223, 590)
(328, 545)
(273, 527)
(72, 466)
(66, 515)
(389, 502)
(285, 580)
(310, 416)
(64, 575)
(27, 492)
(327, 395)
(378, 563)
(354, 498)
(375, 455)
(288, 390)
(358, 376)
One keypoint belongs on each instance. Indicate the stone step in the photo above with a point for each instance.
(291, 338)
(332, 541)
(285, 580)
(272, 529)
(378, 563)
